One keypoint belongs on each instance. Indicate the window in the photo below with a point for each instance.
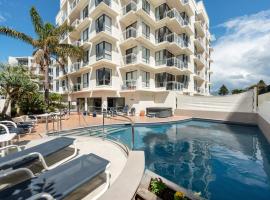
(161, 11)
(103, 76)
(185, 18)
(145, 30)
(108, 2)
(146, 6)
(161, 57)
(85, 34)
(162, 33)
(103, 50)
(57, 71)
(86, 80)
(86, 57)
(131, 55)
(131, 75)
(145, 79)
(103, 23)
(57, 86)
(145, 55)
(85, 12)
(131, 30)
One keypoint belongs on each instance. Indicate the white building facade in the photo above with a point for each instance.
(28, 62)
(140, 53)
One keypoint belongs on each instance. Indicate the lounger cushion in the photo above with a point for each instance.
(45, 149)
(61, 181)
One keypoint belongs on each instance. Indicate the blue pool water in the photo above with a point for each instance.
(221, 161)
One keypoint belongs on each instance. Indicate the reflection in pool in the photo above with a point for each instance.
(221, 161)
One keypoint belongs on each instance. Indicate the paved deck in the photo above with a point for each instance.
(76, 121)
(103, 148)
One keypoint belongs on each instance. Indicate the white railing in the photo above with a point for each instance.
(199, 57)
(76, 66)
(173, 62)
(74, 4)
(129, 85)
(76, 23)
(130, 58)
(77, 43)
(200, 40)
(171, 85)
(130, 33)
(173, 13)
(131, 6)
(199, 90)
(200, 74)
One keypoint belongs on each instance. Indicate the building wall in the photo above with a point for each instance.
(263, 97)
(198, 20)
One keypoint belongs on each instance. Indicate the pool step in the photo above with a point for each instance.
(92, 131)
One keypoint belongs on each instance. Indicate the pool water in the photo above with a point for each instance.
(221, 161)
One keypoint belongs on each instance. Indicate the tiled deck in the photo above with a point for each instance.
(76, 121)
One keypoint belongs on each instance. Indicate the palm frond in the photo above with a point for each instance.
(65, 50)
(17, 35)
(37, 21)
(64, 28)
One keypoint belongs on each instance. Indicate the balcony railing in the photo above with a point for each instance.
(107, 2)
(200, 74)
(199, 90)
(173, 62)
(131, 6)
(105, 28)
(76, 66)
(74, 4)
(199, 57)
(129, 85)
(77, 43)
(173, 13)
(130, 33)
(77, 87)
(130, 58)
(200, 40)
(170, 85)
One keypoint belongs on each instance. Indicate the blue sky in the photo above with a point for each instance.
(228, 18)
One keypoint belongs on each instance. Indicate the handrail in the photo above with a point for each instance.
(132, 126)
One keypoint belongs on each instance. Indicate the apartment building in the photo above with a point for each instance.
(28, 62)
(140, 53)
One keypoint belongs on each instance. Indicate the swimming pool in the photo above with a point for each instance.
(221, 161)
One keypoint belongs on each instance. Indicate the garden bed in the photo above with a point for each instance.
(155, 187)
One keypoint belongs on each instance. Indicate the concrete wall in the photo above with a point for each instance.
(235, 108)
(263, 120)
(263, 97)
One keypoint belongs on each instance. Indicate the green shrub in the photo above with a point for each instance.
(157, 186)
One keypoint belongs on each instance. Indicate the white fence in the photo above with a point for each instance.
(245, 103)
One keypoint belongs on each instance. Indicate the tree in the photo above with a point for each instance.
(47, 45)
(15, 83)
(261, 85)
(238, 91)
(223, 90)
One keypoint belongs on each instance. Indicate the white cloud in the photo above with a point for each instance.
(2, 18)
(242, 55)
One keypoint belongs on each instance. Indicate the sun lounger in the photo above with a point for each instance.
(5, 135)
(61, 182)
(39, 152)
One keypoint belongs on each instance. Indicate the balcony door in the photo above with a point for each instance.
(103, 23)
(131, 55)
(103, 76)
(131, 30)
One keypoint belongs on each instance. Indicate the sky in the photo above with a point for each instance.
(240, 30)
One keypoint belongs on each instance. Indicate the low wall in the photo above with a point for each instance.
(263, 119)
(263, 97)
(239, 117)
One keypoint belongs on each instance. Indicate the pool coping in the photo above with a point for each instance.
(160, 122)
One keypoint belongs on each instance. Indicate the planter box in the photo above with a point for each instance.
(144, 194)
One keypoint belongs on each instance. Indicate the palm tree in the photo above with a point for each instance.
(47, 45)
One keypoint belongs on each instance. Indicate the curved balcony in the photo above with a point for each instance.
(104, 6)
(104, 34)
(199, 44)
(198, 58)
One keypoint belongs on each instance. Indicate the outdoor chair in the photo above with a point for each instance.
(19, 128)
(5, 135)
(61, 182)
(38, 153)
(132, 111)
